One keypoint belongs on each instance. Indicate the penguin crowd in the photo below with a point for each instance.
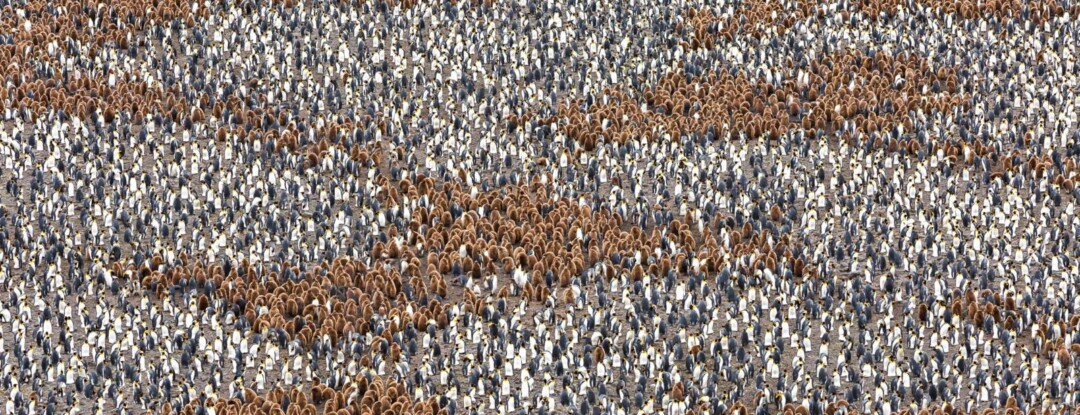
(219, 207)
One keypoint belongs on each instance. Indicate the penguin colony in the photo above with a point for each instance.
(555, 207)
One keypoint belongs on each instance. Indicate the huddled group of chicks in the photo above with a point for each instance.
(556, 207)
